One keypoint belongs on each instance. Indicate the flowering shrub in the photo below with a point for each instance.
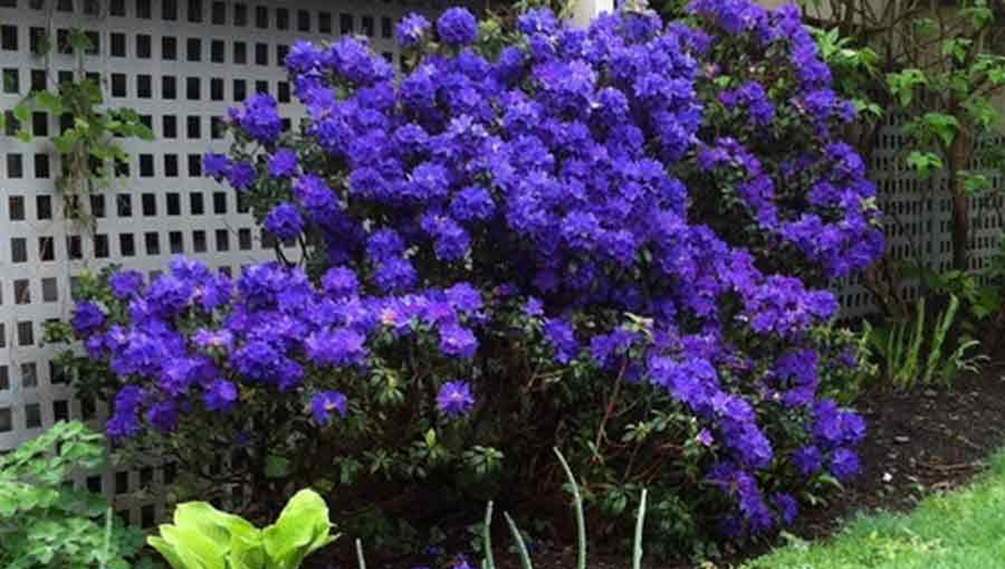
(608, 239)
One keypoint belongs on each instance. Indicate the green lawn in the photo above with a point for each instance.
(964, 529)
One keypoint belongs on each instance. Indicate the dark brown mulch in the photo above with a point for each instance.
(923, 442)
(927, 441)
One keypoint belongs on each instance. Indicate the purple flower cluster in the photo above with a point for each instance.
(457, 26)
(570, 174)
(455, 398)
(411, 30)
(274, 328)
(259, 118)
(284, 221)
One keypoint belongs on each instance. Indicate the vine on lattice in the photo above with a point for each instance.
(90, 133)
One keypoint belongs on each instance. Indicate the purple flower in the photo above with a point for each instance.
(220, 395)
(451, 241)
(221, 339)
(808, 460)
(259, 118)
(339, 347)
(457, 26)
(533, 308)
(163, 416)
(302, 57)
(284, 221)
(340, 282)
(788, 508)
(538, 21)
(411, 30)
(458, 341)
(560, 334)
(844, 464)
(124, 421)
(464, 297)
(849, 358)
(283, 164)
(384, 244)
(125, 283)
(705, 438)
(396, 275)
(216, 165)
(242, 175)
(325, 404)
(472, 204)
(87, 318)
(455, 399)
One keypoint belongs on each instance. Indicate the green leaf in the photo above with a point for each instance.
(925, 26)
(167, 551)
(302, 527)
(956, 48)
(944, 126)
(924, 162)
(141, 132)
(198, 551)
(64, 142)
(902, 84)
(49, 101)
(247, 553)
(974, 184)
(277, 466)
(80, 42)
(22, 113)
(206, 520)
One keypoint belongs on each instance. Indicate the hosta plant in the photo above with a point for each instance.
(611, 239)
(203, 537)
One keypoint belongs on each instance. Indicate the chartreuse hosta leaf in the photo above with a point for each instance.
(302, 528)
(203, 537)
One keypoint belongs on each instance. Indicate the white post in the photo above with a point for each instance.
(586, 10)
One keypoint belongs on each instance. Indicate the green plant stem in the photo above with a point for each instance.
(639, 527)
(360, 560)
(580, 518)
(489, 562)
(525, 562)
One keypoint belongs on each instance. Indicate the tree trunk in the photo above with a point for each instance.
(959, 154)
(961, 230)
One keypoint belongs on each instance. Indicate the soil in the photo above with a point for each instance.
(927, 441)
(930, 440)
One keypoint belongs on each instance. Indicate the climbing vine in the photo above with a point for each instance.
(89, 141)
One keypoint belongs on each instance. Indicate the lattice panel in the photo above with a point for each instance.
(918, 217)
(180, 64)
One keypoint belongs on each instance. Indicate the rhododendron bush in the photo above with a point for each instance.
(612, 239)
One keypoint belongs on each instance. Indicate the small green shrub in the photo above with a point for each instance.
(911, 354)
(203, 537)
(44, 521)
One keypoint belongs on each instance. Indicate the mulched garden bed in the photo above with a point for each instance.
(930, 440)
(924, 442)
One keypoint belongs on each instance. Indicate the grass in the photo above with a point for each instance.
(964, 529)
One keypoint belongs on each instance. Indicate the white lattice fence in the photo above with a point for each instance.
(180, 64)
(918, 217)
